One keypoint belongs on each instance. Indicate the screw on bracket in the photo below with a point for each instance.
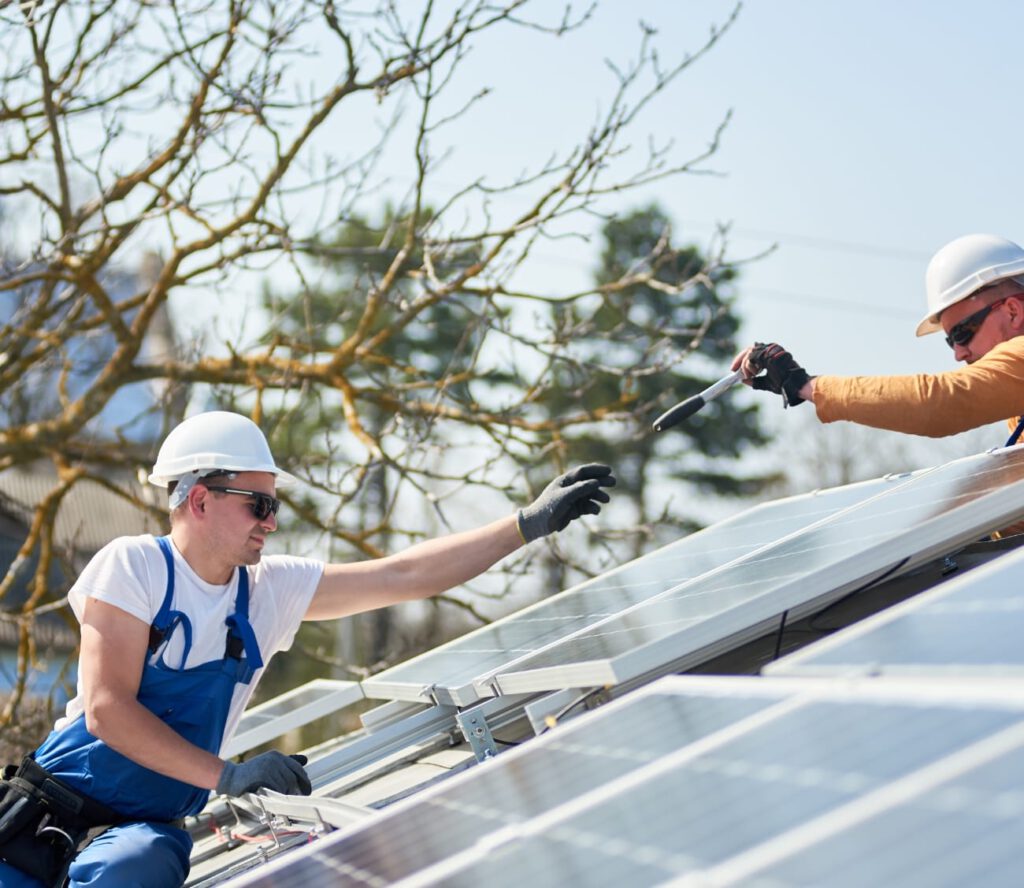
(477, 733)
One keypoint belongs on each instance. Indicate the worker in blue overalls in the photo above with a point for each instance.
(176, 632)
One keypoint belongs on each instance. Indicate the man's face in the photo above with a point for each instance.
(1002, 322)
(236, 529)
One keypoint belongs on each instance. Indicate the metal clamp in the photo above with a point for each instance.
(477, 732)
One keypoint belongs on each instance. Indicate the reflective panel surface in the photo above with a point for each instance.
(971, 625)
(933, 512)
(687, 776)
(457, 664)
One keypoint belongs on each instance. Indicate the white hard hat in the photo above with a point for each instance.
(963, 267)
(215, 440)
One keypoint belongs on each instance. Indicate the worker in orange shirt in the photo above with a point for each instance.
(975, 292)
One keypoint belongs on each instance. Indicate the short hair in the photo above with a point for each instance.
(216, 473)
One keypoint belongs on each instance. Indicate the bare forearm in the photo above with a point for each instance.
(421, 571)
(437, 565)
(135, 732)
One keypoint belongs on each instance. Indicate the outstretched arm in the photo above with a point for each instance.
(434, 566)
(420, 571)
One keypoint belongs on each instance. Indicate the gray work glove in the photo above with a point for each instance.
(271, 770)
(577, 492)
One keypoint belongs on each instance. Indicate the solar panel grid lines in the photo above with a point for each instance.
(713, 808)
(966, 831)
(896, 530)
(744, 867)
(429, 834)
(970, 626)
(542, 824)
(458, 673)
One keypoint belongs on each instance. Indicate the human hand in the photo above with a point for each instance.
(783, 375)
(577, 492)
(271, 770)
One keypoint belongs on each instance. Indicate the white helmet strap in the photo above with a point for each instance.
(187, 482)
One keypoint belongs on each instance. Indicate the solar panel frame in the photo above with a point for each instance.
(465, 691)
(892, 642)
(312, 809)
(755, 616)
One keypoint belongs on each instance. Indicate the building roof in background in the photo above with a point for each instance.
(90, 515)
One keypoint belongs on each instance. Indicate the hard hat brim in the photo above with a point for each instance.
(929, 325)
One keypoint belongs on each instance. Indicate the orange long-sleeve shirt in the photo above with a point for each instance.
(932, 404)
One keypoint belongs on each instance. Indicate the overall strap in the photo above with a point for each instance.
(162, 622)
(1016, 434)
(238, 623)
(167, 620)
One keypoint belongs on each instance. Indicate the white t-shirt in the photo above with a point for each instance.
(130, 573)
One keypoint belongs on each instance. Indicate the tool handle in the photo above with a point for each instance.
(681, 411)
(686, 409)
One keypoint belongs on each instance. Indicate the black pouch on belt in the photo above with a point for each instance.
(43, 820)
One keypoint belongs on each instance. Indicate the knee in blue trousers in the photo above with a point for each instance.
(134, 855)
(146, 855)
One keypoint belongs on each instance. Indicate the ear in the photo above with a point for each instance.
(1015, 311)
(197, 501)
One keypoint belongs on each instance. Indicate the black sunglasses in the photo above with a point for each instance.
(263, 505)
(963, 331)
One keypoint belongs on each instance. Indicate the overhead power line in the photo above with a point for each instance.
(831, 302)
(820, 243)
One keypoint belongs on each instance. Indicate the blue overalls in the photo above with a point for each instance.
(149, 851)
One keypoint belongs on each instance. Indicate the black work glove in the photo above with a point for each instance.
(271, 770)
(783, 375)
(577, 492)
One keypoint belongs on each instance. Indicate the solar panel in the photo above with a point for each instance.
(455, 673)
(964, 829)
(927, 515)
(684, 776)
(290, 710)
(969, 626)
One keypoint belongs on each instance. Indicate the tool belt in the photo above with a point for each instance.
(43, 821)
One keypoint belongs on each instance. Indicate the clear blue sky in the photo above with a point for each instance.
(885, 127)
